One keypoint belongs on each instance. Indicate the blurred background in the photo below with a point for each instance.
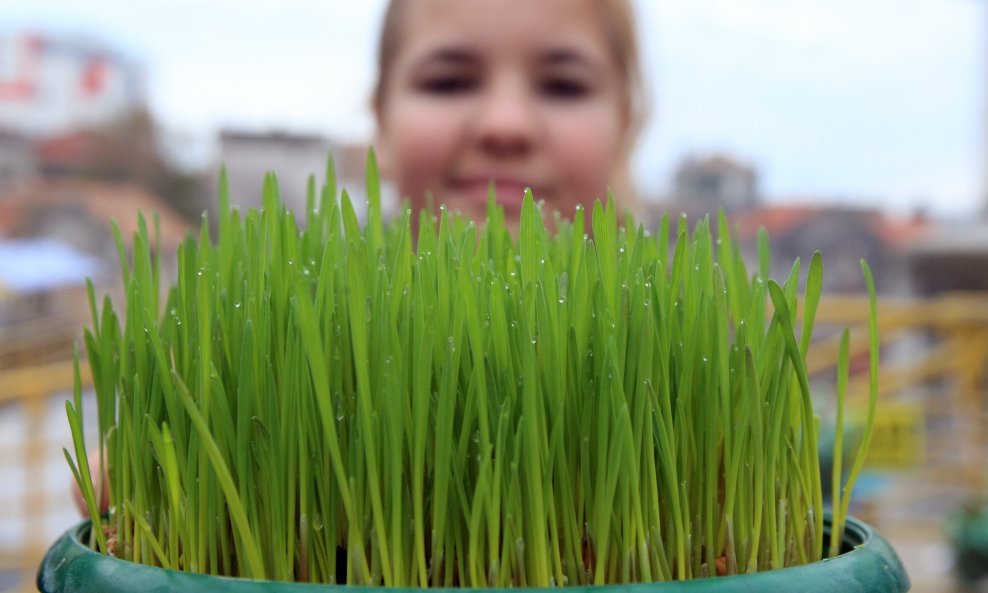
(853, 128)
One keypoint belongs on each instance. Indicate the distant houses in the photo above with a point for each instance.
(951, 259)
(293, 157)
(51, 83)
(18, 163)
(717, 181)
(843, 234)
(79, 149)
(54, 234)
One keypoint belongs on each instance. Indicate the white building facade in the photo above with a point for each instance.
(50, 84)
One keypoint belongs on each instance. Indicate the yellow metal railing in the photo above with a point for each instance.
(30, 391)
(935, 353)
(932, 389)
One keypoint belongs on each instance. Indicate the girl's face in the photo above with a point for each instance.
(519, 92)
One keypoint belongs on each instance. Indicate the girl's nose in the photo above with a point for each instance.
(506, 124)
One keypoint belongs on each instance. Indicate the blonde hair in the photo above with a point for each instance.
(618, 19)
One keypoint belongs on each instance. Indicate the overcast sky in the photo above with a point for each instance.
(872, 102)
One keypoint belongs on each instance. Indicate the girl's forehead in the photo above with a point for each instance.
(501, 26)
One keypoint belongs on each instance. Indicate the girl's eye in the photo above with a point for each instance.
(447, 85)
(564, 88)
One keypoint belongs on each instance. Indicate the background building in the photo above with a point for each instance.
(248, 156)
(53, 83)
(716, 181)
(17, 160)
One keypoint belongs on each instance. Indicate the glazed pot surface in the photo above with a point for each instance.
(871, 566)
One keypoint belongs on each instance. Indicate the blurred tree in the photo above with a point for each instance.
(125, 148)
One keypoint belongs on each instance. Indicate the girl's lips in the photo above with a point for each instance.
(510, 192)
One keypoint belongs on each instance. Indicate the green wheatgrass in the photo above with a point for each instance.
(458, 407)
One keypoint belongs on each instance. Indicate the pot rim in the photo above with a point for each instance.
(870, 565)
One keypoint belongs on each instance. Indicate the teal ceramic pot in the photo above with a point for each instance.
(869, 565)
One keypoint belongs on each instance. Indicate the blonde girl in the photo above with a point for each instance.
(543, 94)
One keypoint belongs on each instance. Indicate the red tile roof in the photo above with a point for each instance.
(101, 201)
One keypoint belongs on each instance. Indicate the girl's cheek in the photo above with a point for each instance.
(423, 149)
(587, 148)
